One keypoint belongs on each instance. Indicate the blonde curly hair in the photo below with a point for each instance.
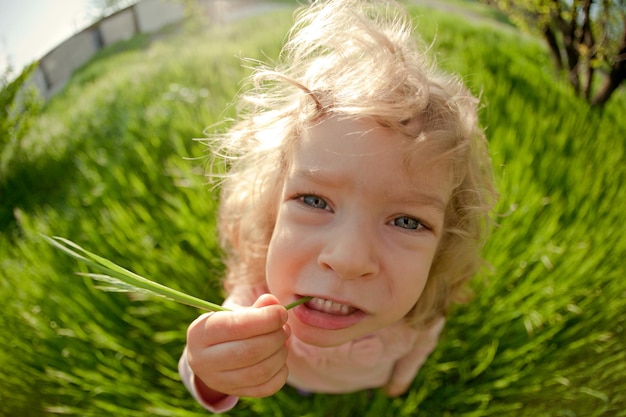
(357, 59)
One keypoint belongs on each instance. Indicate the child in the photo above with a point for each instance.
(358, 177)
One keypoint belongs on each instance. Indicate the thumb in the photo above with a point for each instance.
(268, 300)
(265, 300)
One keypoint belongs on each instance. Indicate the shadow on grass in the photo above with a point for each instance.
(29, 185)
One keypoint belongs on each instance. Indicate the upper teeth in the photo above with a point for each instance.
(330, 307)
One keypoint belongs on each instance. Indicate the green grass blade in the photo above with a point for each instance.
(297, 303)
(125, 280)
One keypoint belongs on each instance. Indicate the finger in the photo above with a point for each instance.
(268, 388)
(397, 388)
(237, 354)
(222, 326)
(260, 380)
(265, 300)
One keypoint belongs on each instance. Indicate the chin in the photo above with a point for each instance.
(321, 337)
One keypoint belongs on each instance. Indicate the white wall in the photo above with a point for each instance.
(56, 67)
(119, 27)
(152, 15)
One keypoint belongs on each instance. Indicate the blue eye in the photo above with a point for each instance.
(314, 201)
(407, 223)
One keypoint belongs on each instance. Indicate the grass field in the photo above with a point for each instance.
(111, 165)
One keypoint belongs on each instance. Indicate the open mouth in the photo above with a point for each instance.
(322, 313)
(330, 307)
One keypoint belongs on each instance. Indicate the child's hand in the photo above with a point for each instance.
(240, 353)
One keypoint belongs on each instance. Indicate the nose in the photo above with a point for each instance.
(350, 250)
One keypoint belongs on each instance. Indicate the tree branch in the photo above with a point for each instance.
(554, 46)
(616, 76)
(587, 39)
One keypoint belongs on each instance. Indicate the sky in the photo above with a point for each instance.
(29, 29)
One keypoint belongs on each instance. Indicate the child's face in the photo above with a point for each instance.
(357, 228)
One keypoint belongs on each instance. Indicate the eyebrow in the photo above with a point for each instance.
(318, 177)
(417, 197)
(423, 199)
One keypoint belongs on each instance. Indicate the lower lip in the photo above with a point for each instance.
(326, 321)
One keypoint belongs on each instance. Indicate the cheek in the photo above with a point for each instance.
(410, 288)
(272, 262)
(280, 261)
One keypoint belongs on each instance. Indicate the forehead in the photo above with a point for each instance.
(353, 135)
(361, 151)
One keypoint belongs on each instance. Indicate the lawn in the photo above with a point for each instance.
(112, 165)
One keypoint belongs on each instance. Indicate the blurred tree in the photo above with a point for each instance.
(18, 106)
(587, 40)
